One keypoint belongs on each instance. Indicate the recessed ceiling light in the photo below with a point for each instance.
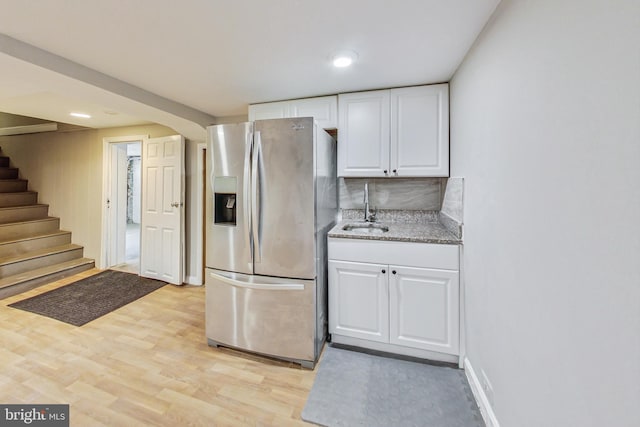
(81, 115)
(344, 58)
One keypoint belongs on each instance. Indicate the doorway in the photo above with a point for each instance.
(132, 228)
(123, 189)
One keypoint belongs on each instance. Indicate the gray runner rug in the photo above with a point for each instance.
(87, 299)
(358, 389)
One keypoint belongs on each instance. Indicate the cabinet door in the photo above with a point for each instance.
(420, 131)
(363, 134)
(423, 308)
(358, 300)
(269, 110)
(323, 109)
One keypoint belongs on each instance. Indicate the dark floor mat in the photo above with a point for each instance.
(87, 299)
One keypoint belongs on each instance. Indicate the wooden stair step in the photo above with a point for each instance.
(18, 283)
(8, 173)
(31, 243)
(22, 198)
(13, 185)
(23, 213)
(16, 230)
(38, 258)
(33, 249)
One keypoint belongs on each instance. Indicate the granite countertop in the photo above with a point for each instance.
(402, 228)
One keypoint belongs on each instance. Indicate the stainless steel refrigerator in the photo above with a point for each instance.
(271, 199)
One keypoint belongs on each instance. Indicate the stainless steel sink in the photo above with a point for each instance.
(366, 228)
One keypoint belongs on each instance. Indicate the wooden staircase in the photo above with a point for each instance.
(33, 249)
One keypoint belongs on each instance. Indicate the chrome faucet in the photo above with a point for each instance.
(369, 216)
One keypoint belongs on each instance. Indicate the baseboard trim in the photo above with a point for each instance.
(486, 410)
(193, 280)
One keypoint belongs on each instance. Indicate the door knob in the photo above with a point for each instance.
(176, 204)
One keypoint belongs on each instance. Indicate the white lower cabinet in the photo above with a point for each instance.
(358, 300)
(423, 308)
(409, 309)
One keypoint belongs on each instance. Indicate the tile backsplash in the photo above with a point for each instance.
(451, 214)
(392, 193)
(452, 203)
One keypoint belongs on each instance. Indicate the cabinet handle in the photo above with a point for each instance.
(393, 271)
(384, 271)
(395, 171)
(385, 171)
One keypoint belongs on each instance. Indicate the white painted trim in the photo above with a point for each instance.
(200, 243)
(193, 280)
(106, 178)
(482, 401)
(462, 313)
(21, 130)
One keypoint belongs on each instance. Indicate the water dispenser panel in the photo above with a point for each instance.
(224, 200)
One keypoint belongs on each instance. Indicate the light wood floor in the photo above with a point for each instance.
(144, 364)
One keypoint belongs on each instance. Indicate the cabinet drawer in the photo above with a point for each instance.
(426, 255)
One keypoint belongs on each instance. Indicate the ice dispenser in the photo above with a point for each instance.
(224, 200)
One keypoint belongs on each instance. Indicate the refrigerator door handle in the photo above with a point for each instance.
(255, 207)
(239, 283)
(245, 193)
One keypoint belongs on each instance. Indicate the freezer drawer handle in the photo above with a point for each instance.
(262, 286)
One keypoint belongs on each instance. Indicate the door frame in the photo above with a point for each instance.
(198, 233)
(107, 168)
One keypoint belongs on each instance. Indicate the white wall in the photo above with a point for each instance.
(545, 116)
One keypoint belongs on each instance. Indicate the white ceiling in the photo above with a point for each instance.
(217, 56)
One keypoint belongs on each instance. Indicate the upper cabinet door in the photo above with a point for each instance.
(269, 110)
(420, 131)
(323, 109)
(363, 136)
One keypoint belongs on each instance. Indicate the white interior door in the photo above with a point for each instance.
(162, 221)
(117, 204)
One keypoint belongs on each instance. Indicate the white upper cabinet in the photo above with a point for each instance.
(269, 110)
(420, 131)
(394, 133)
(323, 109)
(363, 134)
